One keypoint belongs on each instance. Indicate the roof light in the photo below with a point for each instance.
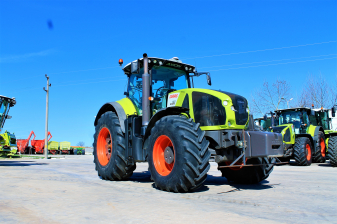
(120, 62)
(160, 63)
(186, 68)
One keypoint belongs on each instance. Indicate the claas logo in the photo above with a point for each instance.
(174, 96)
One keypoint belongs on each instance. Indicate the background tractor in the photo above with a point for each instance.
(7, 140)
(303, 140)
(170, 124)
(325, 118)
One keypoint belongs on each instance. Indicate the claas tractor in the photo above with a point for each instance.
(303, 139)
(8, 144)
(263, 123)
(165, 121)
(324, 118)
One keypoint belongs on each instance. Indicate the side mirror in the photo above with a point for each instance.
(135, 67)
(265, 117)
(333, 111)
(209, 81)
(8, 117)
(126, 93)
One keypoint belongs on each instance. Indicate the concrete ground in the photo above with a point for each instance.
(67, 190)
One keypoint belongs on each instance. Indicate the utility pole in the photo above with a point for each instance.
(46, 128)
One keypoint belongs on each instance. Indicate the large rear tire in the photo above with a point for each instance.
(319, 156)
(249, 174)
(332, 150)
(178, 154)
(303, 151)
(109, 149)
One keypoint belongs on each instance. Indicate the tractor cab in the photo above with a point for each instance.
(166, 76)
(324, 119)
(264, 123)
(300, 118)
(5, 104)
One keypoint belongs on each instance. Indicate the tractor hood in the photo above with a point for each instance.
(240, 107)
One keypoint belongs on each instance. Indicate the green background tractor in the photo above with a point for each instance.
(324, 118)
(8, 144)
(170, 124)
(303, 140)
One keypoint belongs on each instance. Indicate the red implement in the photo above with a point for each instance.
(23, 143)
(38, 145)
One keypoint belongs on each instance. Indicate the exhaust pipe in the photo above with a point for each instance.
(146, 92)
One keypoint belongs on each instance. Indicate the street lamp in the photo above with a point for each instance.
(287, 101)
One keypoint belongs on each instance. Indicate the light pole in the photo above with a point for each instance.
(46, 127)
(287, 101)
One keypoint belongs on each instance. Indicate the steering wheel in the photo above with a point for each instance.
(161, 93)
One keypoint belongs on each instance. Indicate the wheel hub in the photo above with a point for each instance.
(169, 155)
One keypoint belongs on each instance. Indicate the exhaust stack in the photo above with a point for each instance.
(146, 92)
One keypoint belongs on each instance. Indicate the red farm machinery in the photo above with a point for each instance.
(23, 144)
(38, 145)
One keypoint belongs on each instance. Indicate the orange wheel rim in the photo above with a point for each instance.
(322, 143)
(162, 149)
(308, 152)
(104, 146)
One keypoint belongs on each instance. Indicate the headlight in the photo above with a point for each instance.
(225, 103)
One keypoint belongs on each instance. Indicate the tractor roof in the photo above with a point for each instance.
(320, 109)
(171, 63)
(12, 101)
(294, 109)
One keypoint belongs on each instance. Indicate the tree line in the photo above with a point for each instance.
(316, 90)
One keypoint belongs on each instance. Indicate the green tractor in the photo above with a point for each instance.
(324, 119)
(8, 145)
(263, 123)
(303, 139)
(170, 124)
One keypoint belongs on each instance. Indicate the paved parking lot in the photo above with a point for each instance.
(68, 190)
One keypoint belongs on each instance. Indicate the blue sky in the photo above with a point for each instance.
(257, 41)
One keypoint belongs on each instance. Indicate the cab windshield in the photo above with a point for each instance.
(291, 117)
(4, 107)
(164, 81)
(323, 120)
(266, 124)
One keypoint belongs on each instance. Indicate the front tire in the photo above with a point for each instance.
(320, 156)
(332, 150)
(109, 149)
(303, 151)
(178, 154)
(249, 174)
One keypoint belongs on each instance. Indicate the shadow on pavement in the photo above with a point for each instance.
(325, 164)
(141, 177)
(219, 181)
(20, 163)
